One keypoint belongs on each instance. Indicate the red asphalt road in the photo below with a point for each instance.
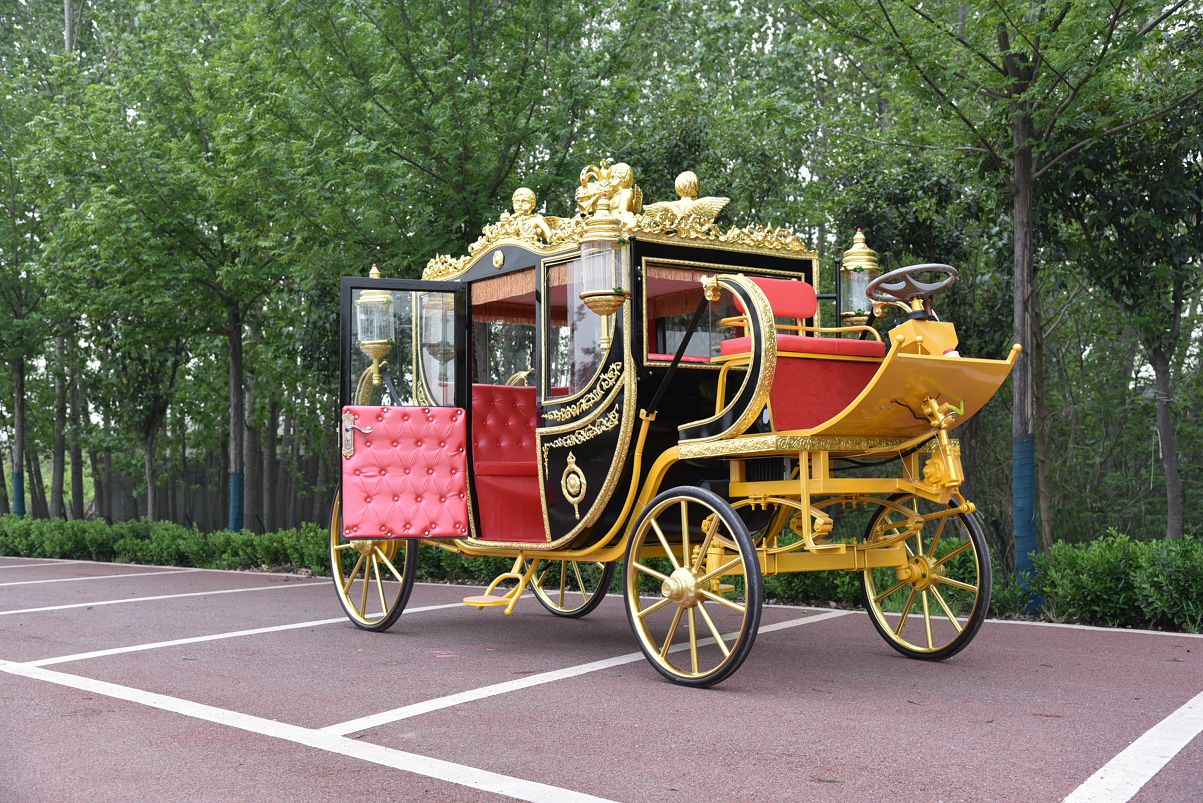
(820, 711)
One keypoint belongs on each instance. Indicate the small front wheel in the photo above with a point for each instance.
(932, 607)
(693, 586)
(570, 588)
(373, 578)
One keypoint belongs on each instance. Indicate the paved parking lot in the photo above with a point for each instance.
(151, 683)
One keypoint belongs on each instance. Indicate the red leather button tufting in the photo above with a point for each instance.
(417, 499)
(430, 471)
(396, 499)
(394, 444)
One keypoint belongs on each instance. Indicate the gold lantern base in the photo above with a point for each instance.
(605, 303)
(376, 351)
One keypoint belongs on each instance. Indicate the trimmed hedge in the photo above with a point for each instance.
(1112, 581)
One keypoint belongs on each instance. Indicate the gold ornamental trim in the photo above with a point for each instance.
(608, 198)
(753, 445)
(574, 485)
(587, 402)
(585, 434)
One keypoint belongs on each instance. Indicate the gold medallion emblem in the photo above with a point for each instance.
(498, 258)
(573, 484)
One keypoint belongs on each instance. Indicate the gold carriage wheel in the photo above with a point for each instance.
(931, 608)
(373, 578)
(571, 588)
(693, 586)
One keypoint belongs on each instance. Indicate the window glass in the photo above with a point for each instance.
(574, 333)
(410, 339)
(503, 329)
(671, 296)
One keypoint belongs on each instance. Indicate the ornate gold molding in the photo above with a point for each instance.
(590, 399)
(688, 218)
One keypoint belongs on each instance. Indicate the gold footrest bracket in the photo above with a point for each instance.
(518, 575)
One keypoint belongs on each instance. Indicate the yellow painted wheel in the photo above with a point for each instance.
(931, 608)
(693, 586)
(373, 579)
(570, 588)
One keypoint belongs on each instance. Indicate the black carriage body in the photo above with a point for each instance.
(590, 432)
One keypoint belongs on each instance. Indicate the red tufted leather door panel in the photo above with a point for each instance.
(408, 476)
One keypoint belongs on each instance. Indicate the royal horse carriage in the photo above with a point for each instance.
(633, 389)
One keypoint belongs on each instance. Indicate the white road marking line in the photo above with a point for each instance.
(33, 565)
(159, 597)
(438, 769)
(97, 577)
(1069, 626)
(425, 707)
(83, 656)
(1123, 776)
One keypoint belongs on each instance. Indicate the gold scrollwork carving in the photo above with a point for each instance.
(585, 434)
(587, 402)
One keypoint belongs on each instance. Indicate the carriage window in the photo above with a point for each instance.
(574, 332)
(403, 347)
(672, 295)
(503, 329)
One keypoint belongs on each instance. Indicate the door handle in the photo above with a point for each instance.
(348, 433)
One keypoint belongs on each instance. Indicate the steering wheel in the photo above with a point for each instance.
(901, 286)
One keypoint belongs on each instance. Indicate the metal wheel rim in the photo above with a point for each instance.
(562, 587)
(374, 586)
(940, 601)
(692, 628)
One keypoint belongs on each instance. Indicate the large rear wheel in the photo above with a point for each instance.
(932, 607)
(693, 586)
(373, 578)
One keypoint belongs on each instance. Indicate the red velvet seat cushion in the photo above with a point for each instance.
(684, 357)
(789, 298)
(503, 459)
(811, 345)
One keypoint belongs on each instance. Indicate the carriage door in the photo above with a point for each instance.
(403, 430)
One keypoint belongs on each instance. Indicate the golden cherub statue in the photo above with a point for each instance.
(618, 182)
(529, 223)
(688, 203)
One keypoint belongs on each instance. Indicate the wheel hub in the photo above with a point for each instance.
(682, 588)
(363, 547)
(921, 572)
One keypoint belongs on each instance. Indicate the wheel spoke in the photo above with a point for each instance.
(906, 611)
(693, 643)
(947, 611)
(720, 570)
(563, 581)
(655, 606)
(351, 576)
(363, 607)
(390, 566)
(580, 583)
(661, 577)
(341, 547)
(877, 600)
(664, 543)
(672, 630)
(931, 549)
(718, 639)
(735, 606)
(953, 554)
(927, 619)
(710, 531)
(948, 581)
(379, 586)
(684, 534)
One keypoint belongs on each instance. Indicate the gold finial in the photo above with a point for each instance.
(374, 273)
(860, 255)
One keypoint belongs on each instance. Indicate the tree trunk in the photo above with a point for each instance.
(19, 436)
(271, 468)
(1024, 284)
(77, 452)
(1044, 493)
(1169, 444)
(254, 476)
(4, 508)
(37, 485)
(98, 488)
(58, 455)
(107, 510)
(69, 26)
(237, 420)
(148, 468)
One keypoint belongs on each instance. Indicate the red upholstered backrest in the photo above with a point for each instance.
(503, 423)
(789, 298)
(408, 474)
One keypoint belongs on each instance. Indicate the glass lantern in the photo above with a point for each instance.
(858, 268)
(374, 325)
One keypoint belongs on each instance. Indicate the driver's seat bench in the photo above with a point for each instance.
(816, 377)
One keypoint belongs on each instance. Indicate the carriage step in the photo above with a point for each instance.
(485, 600)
